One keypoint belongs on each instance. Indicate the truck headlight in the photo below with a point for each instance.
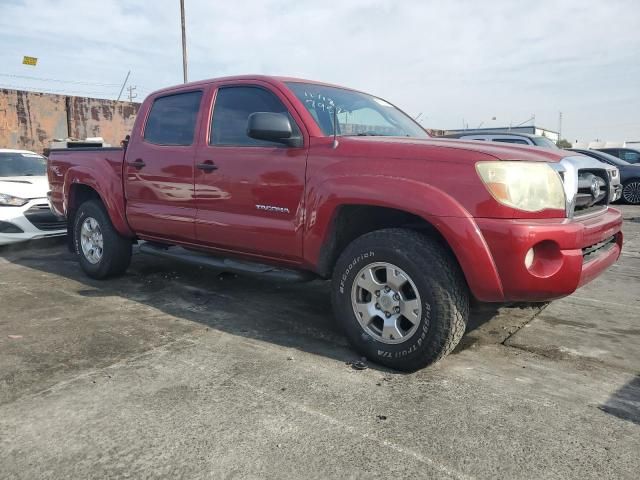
(11, 201)
(528, 186)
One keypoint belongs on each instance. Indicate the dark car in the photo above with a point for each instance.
(629, 173)
(630, 155)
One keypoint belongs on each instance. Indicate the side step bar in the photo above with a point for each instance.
(226, 264)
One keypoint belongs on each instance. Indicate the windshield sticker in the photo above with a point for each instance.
(319, 101)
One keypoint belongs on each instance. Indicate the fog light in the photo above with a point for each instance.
(6, 227)
(528, 258)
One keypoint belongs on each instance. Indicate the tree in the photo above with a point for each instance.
(564, 143)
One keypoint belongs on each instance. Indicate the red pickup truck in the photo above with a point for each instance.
(293, 178)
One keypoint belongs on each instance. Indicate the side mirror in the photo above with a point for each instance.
(274, 127)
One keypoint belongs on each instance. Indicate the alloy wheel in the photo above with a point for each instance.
(631, 192)
(386, 302)
(91, 240)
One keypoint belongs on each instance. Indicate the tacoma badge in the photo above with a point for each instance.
(271, 208)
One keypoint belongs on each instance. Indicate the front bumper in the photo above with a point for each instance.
(568, 253)
(616, 193)
(31, 221)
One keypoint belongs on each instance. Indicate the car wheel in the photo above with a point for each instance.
(401, 298)
(631, 191)
(103, 252)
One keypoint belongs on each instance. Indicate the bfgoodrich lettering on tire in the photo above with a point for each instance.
(102, 251)
(401, 298)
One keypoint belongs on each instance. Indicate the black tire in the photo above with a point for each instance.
(438, 279)
(631, 191)
(116, 252)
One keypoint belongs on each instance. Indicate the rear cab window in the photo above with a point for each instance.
(172, 119)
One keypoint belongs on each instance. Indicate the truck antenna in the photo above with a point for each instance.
(335, 125)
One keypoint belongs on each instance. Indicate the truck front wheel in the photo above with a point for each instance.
(103, 252)
(401, 298)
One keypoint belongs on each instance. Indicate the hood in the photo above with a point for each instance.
(467, 148)
(25, 187)
(631, 168)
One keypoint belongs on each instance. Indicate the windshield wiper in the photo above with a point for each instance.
(362, 134)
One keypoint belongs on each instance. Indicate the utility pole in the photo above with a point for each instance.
(123, 85)
(559, 125)
(131, 89)
(184, 42)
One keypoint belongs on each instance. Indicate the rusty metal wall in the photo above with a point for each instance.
(93, 117)
(30, 120)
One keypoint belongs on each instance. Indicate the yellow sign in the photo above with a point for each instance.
(29, 61)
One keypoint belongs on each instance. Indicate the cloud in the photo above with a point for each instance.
(449, 60)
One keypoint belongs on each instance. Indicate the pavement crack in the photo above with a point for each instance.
(524, 324)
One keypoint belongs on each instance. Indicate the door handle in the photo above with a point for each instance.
(207, 166)
(138, 163)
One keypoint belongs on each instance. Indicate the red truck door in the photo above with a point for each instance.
(249, 193)
(159, 169)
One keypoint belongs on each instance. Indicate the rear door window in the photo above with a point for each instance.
(630, 156)
(172, 119)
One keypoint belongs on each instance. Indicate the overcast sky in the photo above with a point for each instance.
(452, 61)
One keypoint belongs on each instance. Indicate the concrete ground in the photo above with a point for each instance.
(178, 372)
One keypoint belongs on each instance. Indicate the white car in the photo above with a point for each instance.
(25, 213)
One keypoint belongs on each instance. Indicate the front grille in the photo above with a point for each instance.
(592, 251)
(43, 218)
(593, 191)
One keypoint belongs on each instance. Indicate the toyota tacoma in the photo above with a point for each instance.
(297, 179)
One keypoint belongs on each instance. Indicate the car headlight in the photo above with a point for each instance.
(528, 186)
(11, 201)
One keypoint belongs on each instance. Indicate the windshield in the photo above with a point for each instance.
(356, 114)
(14, 164)
(544, 142)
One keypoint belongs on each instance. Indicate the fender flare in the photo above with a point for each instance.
(109, 190)
(443, 212)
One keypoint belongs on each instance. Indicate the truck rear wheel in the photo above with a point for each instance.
(103, 252)
(401, 298)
